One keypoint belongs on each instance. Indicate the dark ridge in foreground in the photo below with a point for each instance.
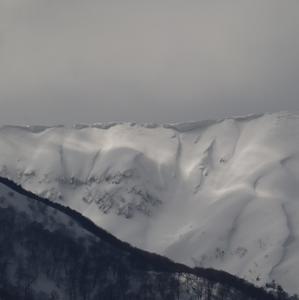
(43, 258)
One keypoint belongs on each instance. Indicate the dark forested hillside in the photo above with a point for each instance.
(48, 251)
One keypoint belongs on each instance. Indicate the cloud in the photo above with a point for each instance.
(85, 61)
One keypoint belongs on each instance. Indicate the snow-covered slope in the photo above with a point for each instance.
(221, 194)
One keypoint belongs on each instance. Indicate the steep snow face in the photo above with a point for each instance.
(222, 194)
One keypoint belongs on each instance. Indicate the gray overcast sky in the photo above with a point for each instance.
(71, 61)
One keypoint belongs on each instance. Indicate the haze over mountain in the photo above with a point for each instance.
(221, 194)
(164, 61)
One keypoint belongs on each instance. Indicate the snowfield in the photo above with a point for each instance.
(221, 194)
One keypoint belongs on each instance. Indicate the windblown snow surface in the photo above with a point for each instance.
(221, 194)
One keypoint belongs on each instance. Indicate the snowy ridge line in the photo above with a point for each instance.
(178, 126)
(160, 263)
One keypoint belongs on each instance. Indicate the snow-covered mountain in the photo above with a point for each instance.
(221, 194)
